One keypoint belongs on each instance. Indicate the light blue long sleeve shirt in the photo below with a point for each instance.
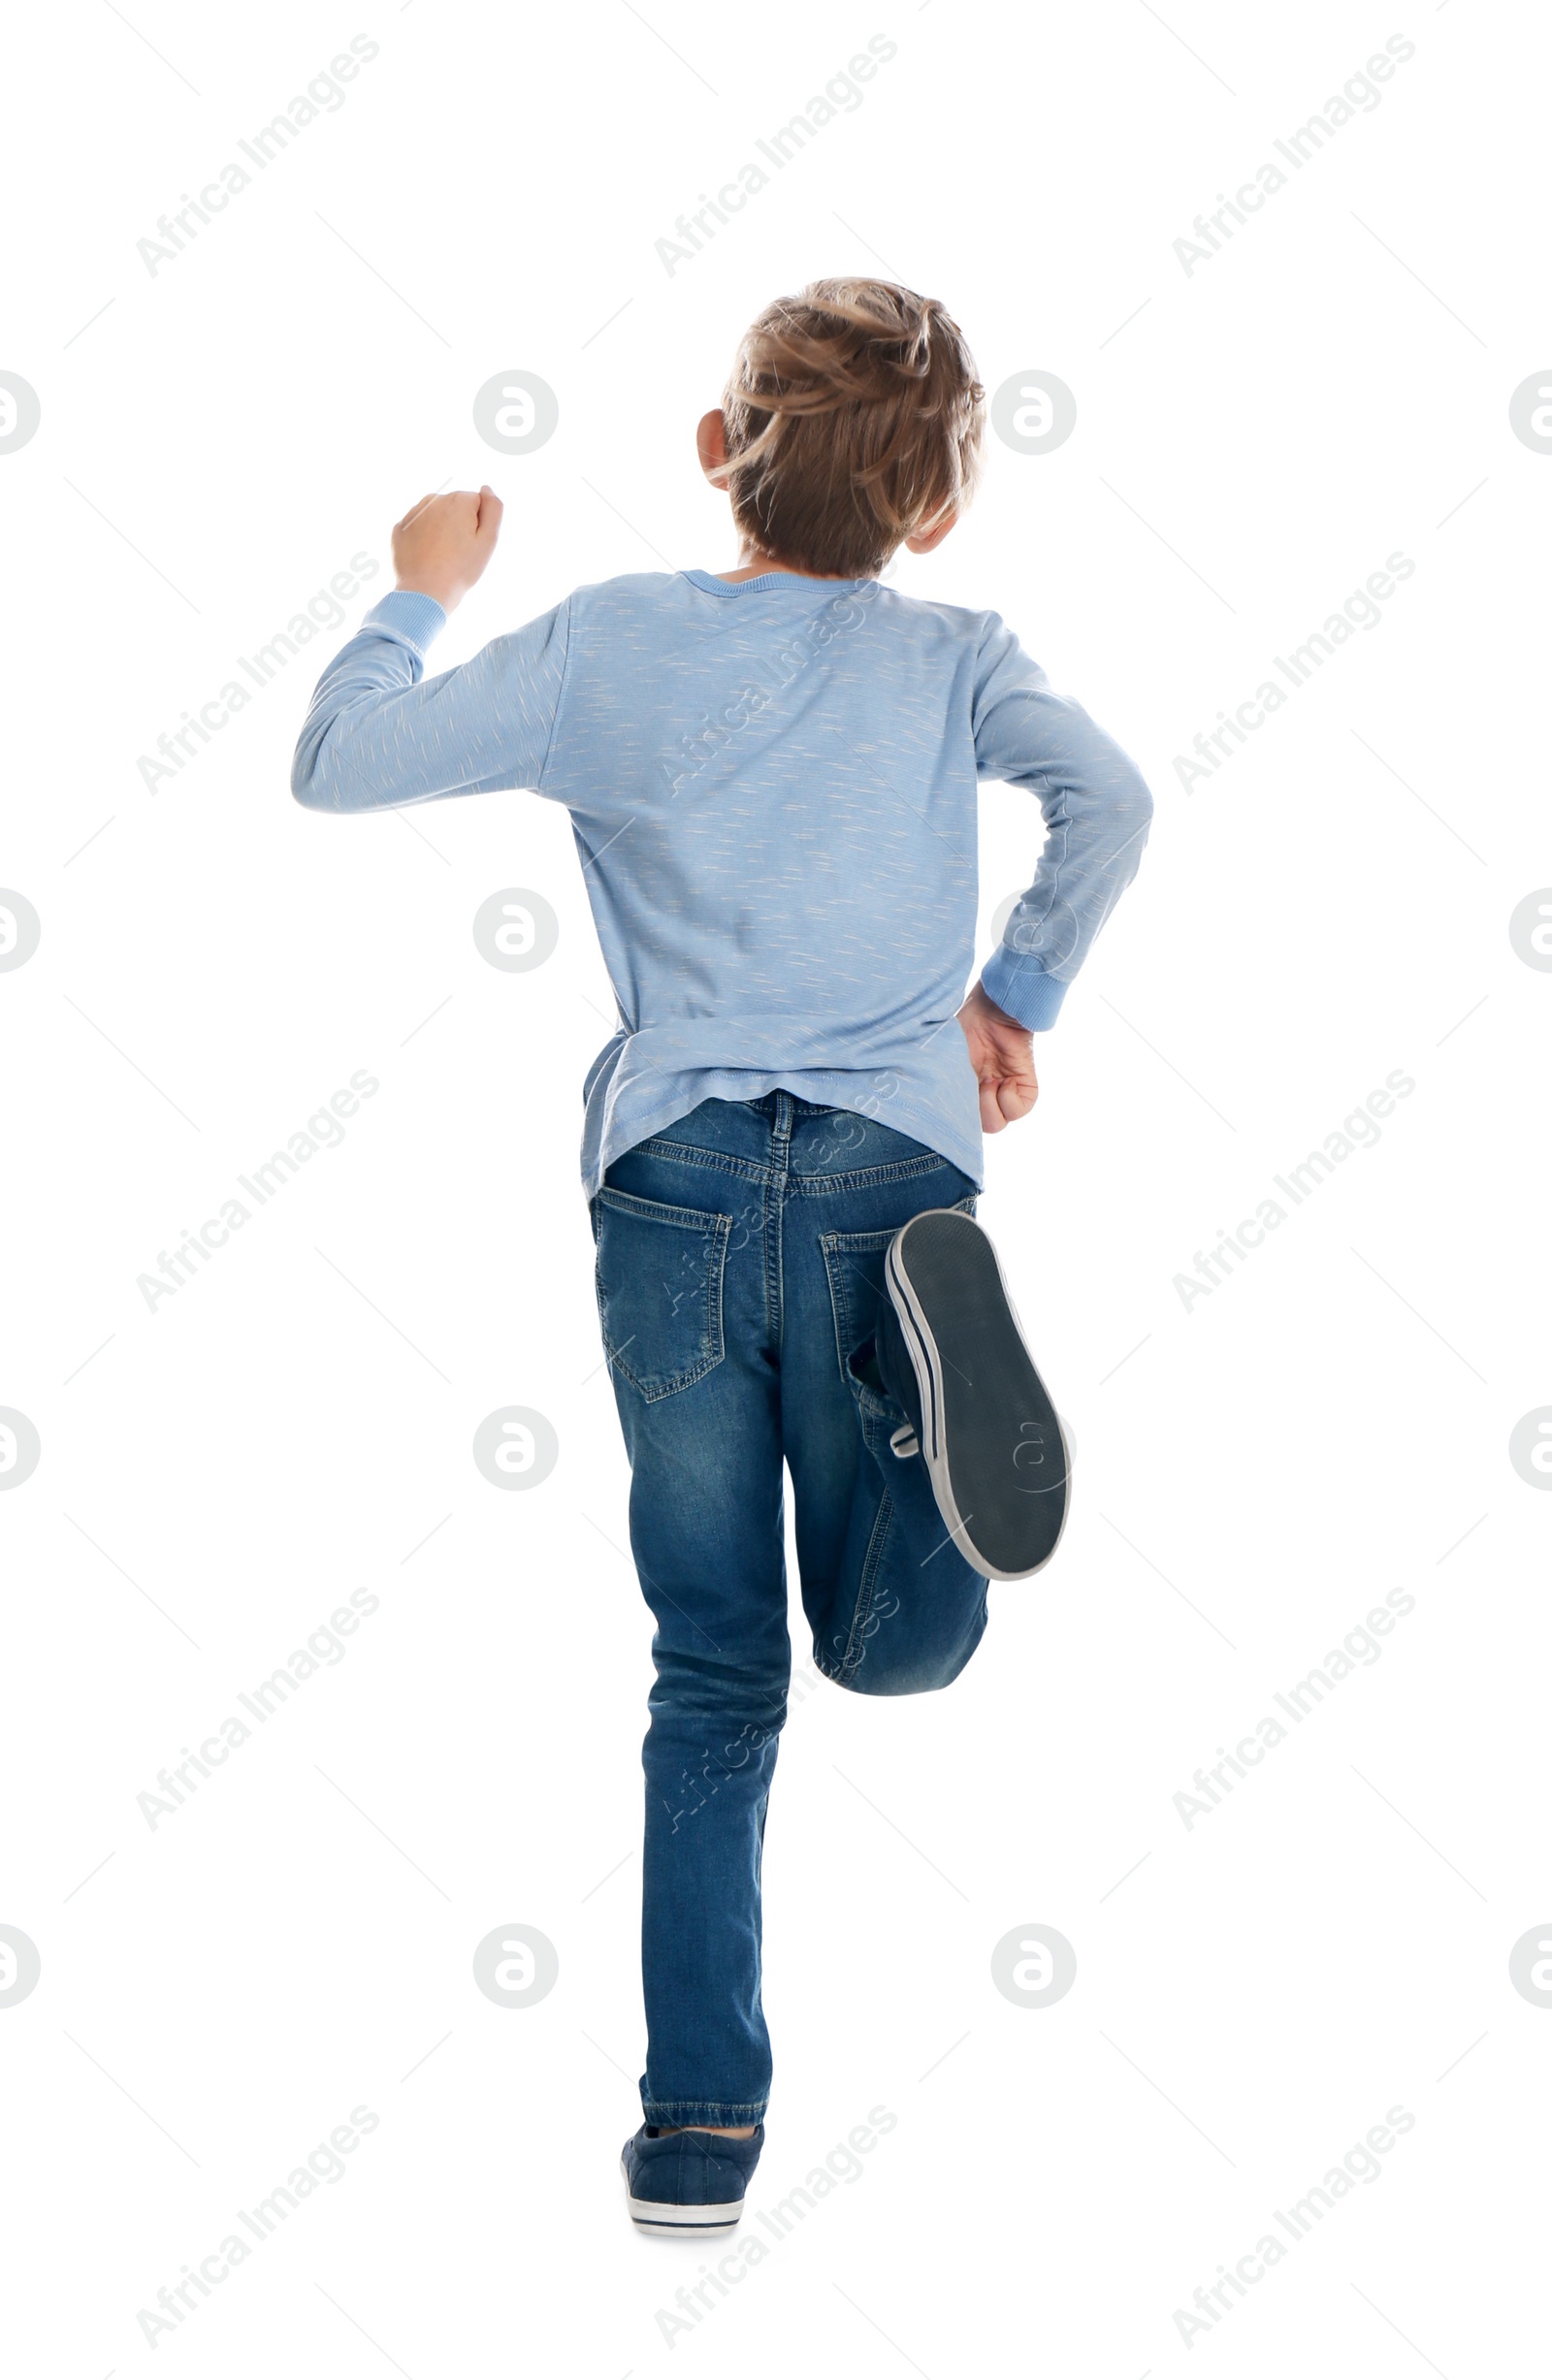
(773, 786)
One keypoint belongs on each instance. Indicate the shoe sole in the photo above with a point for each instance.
(992, 1440)
(658, 2216)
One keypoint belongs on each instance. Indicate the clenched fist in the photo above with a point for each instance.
(1003, 1055)
(442, 543)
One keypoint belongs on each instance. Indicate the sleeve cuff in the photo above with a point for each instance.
(1022, 988)
(409, 619)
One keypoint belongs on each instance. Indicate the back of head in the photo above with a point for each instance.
(853, 418)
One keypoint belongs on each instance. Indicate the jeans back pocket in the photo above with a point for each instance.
(854, 1264)
(659, 1277)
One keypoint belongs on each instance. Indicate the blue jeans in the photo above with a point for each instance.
(740, 1261)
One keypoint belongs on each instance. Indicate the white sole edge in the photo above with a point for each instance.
(919, 1341)
(656, 2215)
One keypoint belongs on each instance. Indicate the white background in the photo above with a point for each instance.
(1255, 1472)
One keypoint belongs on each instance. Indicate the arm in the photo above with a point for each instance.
(1097, 809)
(380, 734)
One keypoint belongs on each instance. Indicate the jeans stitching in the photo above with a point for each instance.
(804, 1185)
(777, 1178)
(711, 2111)
(872, 1177)
(660, 1210)
(867, 1584)
(719, 1161)
(835, 1243)
(682, 1218)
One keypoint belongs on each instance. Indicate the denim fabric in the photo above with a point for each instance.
(740, 1259)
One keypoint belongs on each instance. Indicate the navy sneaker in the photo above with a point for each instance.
(950, 1350)
(688, 2180)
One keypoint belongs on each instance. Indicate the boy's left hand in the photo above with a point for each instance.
(1003, 1054)
(442, 544)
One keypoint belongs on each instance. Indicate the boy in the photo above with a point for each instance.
(770, 773)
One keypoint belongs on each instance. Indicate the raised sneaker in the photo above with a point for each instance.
(951, 1354)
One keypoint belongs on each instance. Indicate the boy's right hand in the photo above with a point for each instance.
(442, 544)
(1002, 1052)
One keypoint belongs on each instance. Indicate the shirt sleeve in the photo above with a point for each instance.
(380, 734)
(1096, 808)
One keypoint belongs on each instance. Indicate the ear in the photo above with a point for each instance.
(711, 445)
(931, 538)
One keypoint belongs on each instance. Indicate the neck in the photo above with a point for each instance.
(754, 564)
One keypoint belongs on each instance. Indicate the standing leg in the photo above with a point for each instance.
(681, 1290)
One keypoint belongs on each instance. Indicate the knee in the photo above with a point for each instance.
(721, 1726)
(865, 1676)
(886, 1661)
(686, 1767)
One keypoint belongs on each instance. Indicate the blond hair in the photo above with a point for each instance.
(853, 418)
